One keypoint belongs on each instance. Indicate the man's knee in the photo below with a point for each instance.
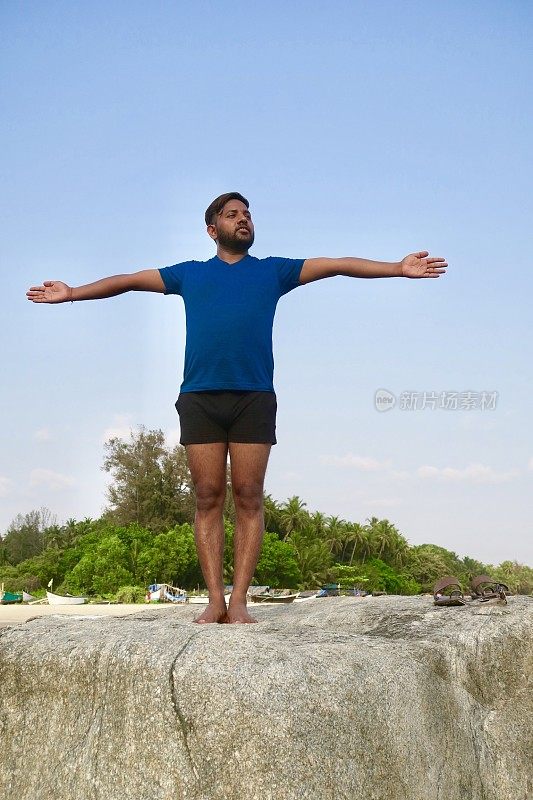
(209, 496)
(248, 496)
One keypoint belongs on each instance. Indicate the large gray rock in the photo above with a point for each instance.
(383, 699)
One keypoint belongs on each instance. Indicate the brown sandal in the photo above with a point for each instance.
(485, 588)
(454, 597)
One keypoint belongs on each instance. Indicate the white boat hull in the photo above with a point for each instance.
(204, 598)
(59, 600)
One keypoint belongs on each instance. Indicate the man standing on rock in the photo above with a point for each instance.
(227, 401)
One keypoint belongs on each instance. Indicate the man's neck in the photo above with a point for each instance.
(229, 256)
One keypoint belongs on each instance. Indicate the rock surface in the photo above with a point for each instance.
(384, 698)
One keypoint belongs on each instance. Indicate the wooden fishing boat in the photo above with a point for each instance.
(199, 599)
(305, 596)
(7, 598)
(64, 600)
(271, 597)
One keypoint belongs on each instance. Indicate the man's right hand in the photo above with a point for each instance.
(50, 292)
(147, 280)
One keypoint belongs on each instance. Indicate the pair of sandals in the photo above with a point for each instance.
(448, 592)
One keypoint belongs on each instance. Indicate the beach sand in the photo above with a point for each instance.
(17, 614)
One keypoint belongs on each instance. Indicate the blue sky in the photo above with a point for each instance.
(354, 129)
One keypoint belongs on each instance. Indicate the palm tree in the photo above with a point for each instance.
(69, 531)
(292, 515)
(377, 535)
(355, 535)
(272, 512)
(312, 556)
(335, 534)
(54, 537)
(318, 520)
(387, 543)
(367, 544)
(401, 550)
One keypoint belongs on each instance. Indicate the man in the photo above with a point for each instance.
(227, 401)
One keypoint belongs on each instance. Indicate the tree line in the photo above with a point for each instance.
(146, 535)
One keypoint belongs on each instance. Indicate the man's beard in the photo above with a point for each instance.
(234, 242)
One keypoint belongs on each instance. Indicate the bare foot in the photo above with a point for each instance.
(237, 613)
(213, 613)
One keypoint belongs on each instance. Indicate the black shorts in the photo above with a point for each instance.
(227, 416)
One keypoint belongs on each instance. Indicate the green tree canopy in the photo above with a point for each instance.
(151, 482)
(25, 536)
(277, 565)
(313, 556)
(146, 535)
(171, 558)
(374, 575)
(292, 515)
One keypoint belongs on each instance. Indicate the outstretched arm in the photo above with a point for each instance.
(415, 265)
(147, 280)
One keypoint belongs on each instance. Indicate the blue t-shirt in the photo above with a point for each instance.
(230, 313)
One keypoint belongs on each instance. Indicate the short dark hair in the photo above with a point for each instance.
(218, 204)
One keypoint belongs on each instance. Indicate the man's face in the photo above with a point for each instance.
(233, 228)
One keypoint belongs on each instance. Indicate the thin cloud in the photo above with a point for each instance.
(401, 474)
(172, 437)
(383, 502)
(473, 473)
(6, 486)
(43, 435)
(363, 463)
(291, 476)
(52, 480)
(120, 429)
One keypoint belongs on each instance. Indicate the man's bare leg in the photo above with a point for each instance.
(248, 468)
(207, 464)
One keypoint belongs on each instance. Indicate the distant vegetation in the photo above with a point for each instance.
(146, 535)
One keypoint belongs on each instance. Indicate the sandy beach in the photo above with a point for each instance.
(16, 614)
